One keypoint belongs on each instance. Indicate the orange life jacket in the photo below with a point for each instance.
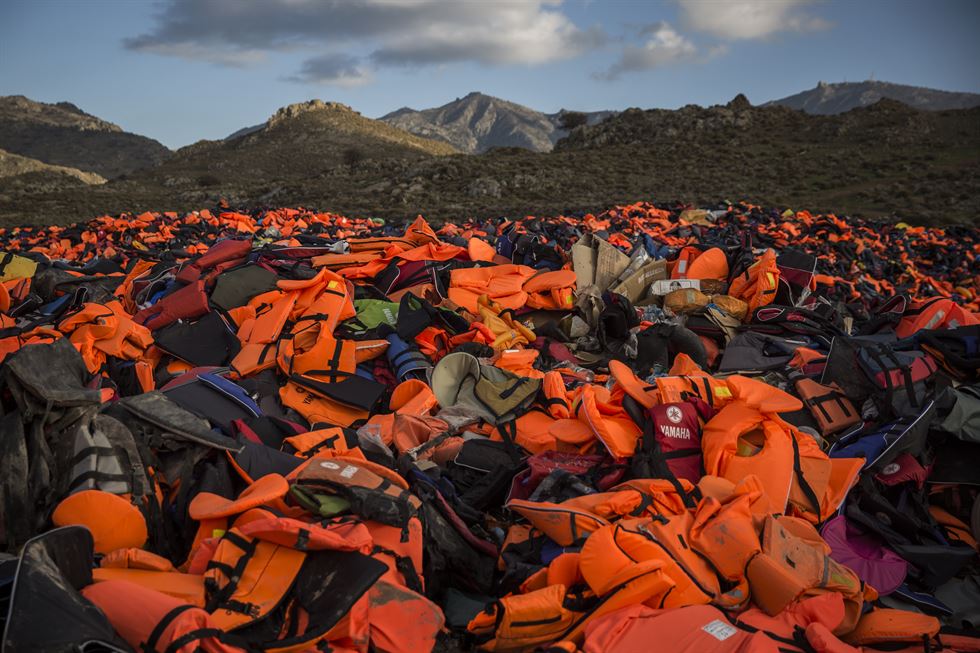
(248, 578)
(711, 264)
(260, 334)
(933, 313)
(521, 621)
(747, 437)
(317, 409)
(502, 283)
(556, 396)
(530, 431)
(153, 622)
(795, 562)
(613, 549)
(553, 291)
(690, 629)
(402, 621)
(609, 422)
(830, 407)
(685, 257)
(186, 588)
(758, 284)
(306, 445)
(887, 626)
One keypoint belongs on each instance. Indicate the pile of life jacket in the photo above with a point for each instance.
(726, 429)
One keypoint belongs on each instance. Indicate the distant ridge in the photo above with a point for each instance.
(476, 123)
(63, 135)
(827, 99)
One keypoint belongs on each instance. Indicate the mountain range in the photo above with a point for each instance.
(62, 134)
(825, 99)
(870, 160)
(477, 122)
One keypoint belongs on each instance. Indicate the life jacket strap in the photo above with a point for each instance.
(405, 565)
(95, 475)
(805, 487)
(150, 645)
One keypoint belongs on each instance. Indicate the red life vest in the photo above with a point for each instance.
(677, 430)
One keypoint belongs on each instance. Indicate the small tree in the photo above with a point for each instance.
(569, 120)
(352, 156)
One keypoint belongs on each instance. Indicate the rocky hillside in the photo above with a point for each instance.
(478, 122)
(24, 177)
(883, 160)
(299, 142)
(64, 135)
(886, 123)
(837, 98)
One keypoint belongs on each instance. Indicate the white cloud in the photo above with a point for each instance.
(749, 19)
(391, 32)
(664, 46)
(334, 69)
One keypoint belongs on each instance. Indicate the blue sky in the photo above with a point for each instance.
(182, 71)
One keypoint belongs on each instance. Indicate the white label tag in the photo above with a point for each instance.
(719, 630)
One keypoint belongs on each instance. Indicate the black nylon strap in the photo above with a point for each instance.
(508, 431)
(513, 388)
(405, 565)
(150, 645)
(222, 595)
(808, 492)
(818, 402)
(653, 453)
(97, 451)
(192, 636)
(95, 475)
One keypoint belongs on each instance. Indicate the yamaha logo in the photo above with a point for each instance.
(674, 414)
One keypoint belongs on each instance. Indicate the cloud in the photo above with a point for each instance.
(748, 19)
(664, 46)
(391, 32)
(333, 68)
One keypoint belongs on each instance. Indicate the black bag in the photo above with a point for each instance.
(47, 613)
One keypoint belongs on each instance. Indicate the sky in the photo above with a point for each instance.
(180, 71)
